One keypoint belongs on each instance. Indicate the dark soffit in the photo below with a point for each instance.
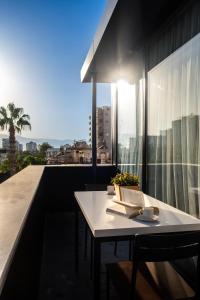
(125, 26)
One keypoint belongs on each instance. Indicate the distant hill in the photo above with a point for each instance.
(53, 142)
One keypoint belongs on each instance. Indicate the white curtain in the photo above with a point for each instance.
(173, 128)
(130, 126)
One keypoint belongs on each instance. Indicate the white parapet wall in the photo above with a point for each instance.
(16, 196)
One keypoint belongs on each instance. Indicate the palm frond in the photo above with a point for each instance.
(14, 117)
(3, 124)
(15, 112)
(25, 116)
(18, 129)
(4, 120)
(3, 113)
(22, 124)
(11, 107)
(18, 112)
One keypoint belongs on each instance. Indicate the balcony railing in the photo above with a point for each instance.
(25, 199)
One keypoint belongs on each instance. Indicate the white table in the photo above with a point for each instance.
(108, 226)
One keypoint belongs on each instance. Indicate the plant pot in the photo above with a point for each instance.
(119, 193)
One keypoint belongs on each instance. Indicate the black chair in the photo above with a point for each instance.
(149, 275)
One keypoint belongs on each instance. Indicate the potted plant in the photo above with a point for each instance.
(125, 180)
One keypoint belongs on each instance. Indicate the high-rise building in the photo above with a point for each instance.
(31, 147)
(6, 145)
(103, 127)
(19, 147)
(103, 133)
(90, 131)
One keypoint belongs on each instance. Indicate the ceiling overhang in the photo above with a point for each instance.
(125, 26)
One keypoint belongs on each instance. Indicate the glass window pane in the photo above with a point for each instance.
(173, 128)
(103, 124)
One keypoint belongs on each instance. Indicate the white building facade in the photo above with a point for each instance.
(31, 147)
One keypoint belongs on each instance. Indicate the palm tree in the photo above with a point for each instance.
(14, 120)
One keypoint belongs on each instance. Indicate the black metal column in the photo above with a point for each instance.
(145, 148)
(94, 142)
(115, 128)
(77, 238)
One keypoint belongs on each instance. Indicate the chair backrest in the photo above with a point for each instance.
(167, 246)
(95, 187)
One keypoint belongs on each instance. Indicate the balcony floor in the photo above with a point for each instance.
(58, 278)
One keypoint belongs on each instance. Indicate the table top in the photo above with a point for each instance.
(103, 224)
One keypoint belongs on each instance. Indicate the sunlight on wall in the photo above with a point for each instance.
(123, 89)
(126, 108)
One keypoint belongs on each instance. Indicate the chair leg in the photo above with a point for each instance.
(85, 246)
(133, 280)
(115, 249)
(130, 249)
(107, 284)
(198, 279)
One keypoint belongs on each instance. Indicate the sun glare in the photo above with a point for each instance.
(125, 90)
(8, 82)
(122, 84)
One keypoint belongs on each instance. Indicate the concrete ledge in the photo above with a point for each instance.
(16, 197)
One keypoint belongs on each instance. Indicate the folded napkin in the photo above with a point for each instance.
(128, 209)
(123, 209)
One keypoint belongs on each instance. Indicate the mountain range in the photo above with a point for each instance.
(53, 142)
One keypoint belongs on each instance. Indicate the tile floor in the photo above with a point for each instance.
(58, 278)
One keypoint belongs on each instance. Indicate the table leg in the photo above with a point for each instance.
(86, 241)
(91, 256)
(96, 269)
(76, 239)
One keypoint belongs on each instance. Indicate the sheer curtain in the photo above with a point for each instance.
(173, 128)
(130, 126)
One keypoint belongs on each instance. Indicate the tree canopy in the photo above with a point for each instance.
(14, 120)
(43, 149)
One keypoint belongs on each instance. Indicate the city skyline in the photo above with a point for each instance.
(42, 50)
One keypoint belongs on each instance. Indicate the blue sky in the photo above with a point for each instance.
(43, 44)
